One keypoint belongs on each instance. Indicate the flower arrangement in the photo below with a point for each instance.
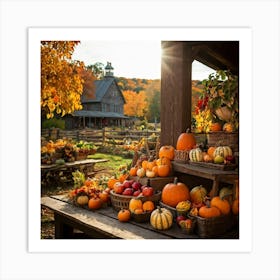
(219, 101)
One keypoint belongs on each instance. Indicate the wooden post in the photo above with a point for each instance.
(176, 90)
(103, 136)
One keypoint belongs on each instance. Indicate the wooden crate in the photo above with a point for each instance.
(156, 183)
(222, 138)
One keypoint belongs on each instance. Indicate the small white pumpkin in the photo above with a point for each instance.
(223, 151)
(195, 155)
(161, 218)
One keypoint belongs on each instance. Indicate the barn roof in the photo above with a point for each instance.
(101, 88)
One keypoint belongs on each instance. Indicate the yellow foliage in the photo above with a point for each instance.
(61, 80)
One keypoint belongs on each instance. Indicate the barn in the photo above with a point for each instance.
(106, 108)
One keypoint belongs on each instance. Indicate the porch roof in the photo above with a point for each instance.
(99, 114)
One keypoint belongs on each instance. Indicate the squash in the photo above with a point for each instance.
(226, 193)
(163, 170)
(124, 215)
(82, 200)
(228, 127)
(135, 203)
(161, 218)
(185, 141)
(211, 151)
(223, 151)
(208, 211)
(222, 204)
(141, 172)
(173, 193)
(195, 155)
(167, 151)
(216, 127)
(198, 194)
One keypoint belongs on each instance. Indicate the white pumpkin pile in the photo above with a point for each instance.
(219, 155)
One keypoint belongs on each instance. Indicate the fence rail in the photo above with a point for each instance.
(100, 136)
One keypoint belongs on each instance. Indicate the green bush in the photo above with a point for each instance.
(54, 123)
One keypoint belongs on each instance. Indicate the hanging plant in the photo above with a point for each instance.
(221, 93)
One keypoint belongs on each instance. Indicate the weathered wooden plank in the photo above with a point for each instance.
(99, 222)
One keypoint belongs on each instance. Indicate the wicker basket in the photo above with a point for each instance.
(181, 156)
(141, 218)
(173, 210)
(122, 201)
(213, 227)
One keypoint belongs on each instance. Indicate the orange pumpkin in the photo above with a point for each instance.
(111, 182)
(138, 211)
(148, 205)
(163, 161)
(135, 203)
(208, 211)
(151, 164)
(133, 171)
(124, 215)
(211, 151)
(216, 127)
(222, 204)
(155, 170)
(144, 164)
(95, 203)
(173, 193)
(167, 151)
(163, 170)
(186, 141)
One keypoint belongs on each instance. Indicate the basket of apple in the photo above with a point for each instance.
(122, 193)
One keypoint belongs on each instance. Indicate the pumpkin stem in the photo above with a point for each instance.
(188, 130)
(175, 181)
(207, 200)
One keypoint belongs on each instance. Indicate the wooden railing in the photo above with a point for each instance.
(100, 136)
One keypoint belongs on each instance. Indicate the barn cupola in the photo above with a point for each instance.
(109, 70)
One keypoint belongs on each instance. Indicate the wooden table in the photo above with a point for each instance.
(103, 223)
(53, 171)
(216, 175)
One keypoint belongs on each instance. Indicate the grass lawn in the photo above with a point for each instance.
(115, 161)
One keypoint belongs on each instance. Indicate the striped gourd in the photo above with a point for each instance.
(223, 151)
(161, 218)
(196, 154)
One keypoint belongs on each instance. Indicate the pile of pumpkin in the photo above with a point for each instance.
(159, 167)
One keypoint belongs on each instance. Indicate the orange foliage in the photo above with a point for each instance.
(61, 80)
(135, 103)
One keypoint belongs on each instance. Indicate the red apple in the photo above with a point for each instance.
(231, 159)
(128, 191)
(136, 193)
(136, 185)
(148, 191)
(118, 188)
(180, 218)
(128, 183)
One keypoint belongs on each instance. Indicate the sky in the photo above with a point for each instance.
(131, 59)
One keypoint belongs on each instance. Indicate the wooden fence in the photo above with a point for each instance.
(99, 137)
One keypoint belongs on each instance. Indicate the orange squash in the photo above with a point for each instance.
(173, 193)
(124, 215)
(216, 127)
(167, 151)
(135, 203)
(185, 141)
(133, 171)
(163, 170)
(222, 204)
(95, 203)
(148, 205)
(111, 182)
(208, 211)
(211, 151)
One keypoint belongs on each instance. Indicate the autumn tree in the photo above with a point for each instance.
(61, 78)
(136, 103)
(97, 69)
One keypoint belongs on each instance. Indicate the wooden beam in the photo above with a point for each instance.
(176, 90)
